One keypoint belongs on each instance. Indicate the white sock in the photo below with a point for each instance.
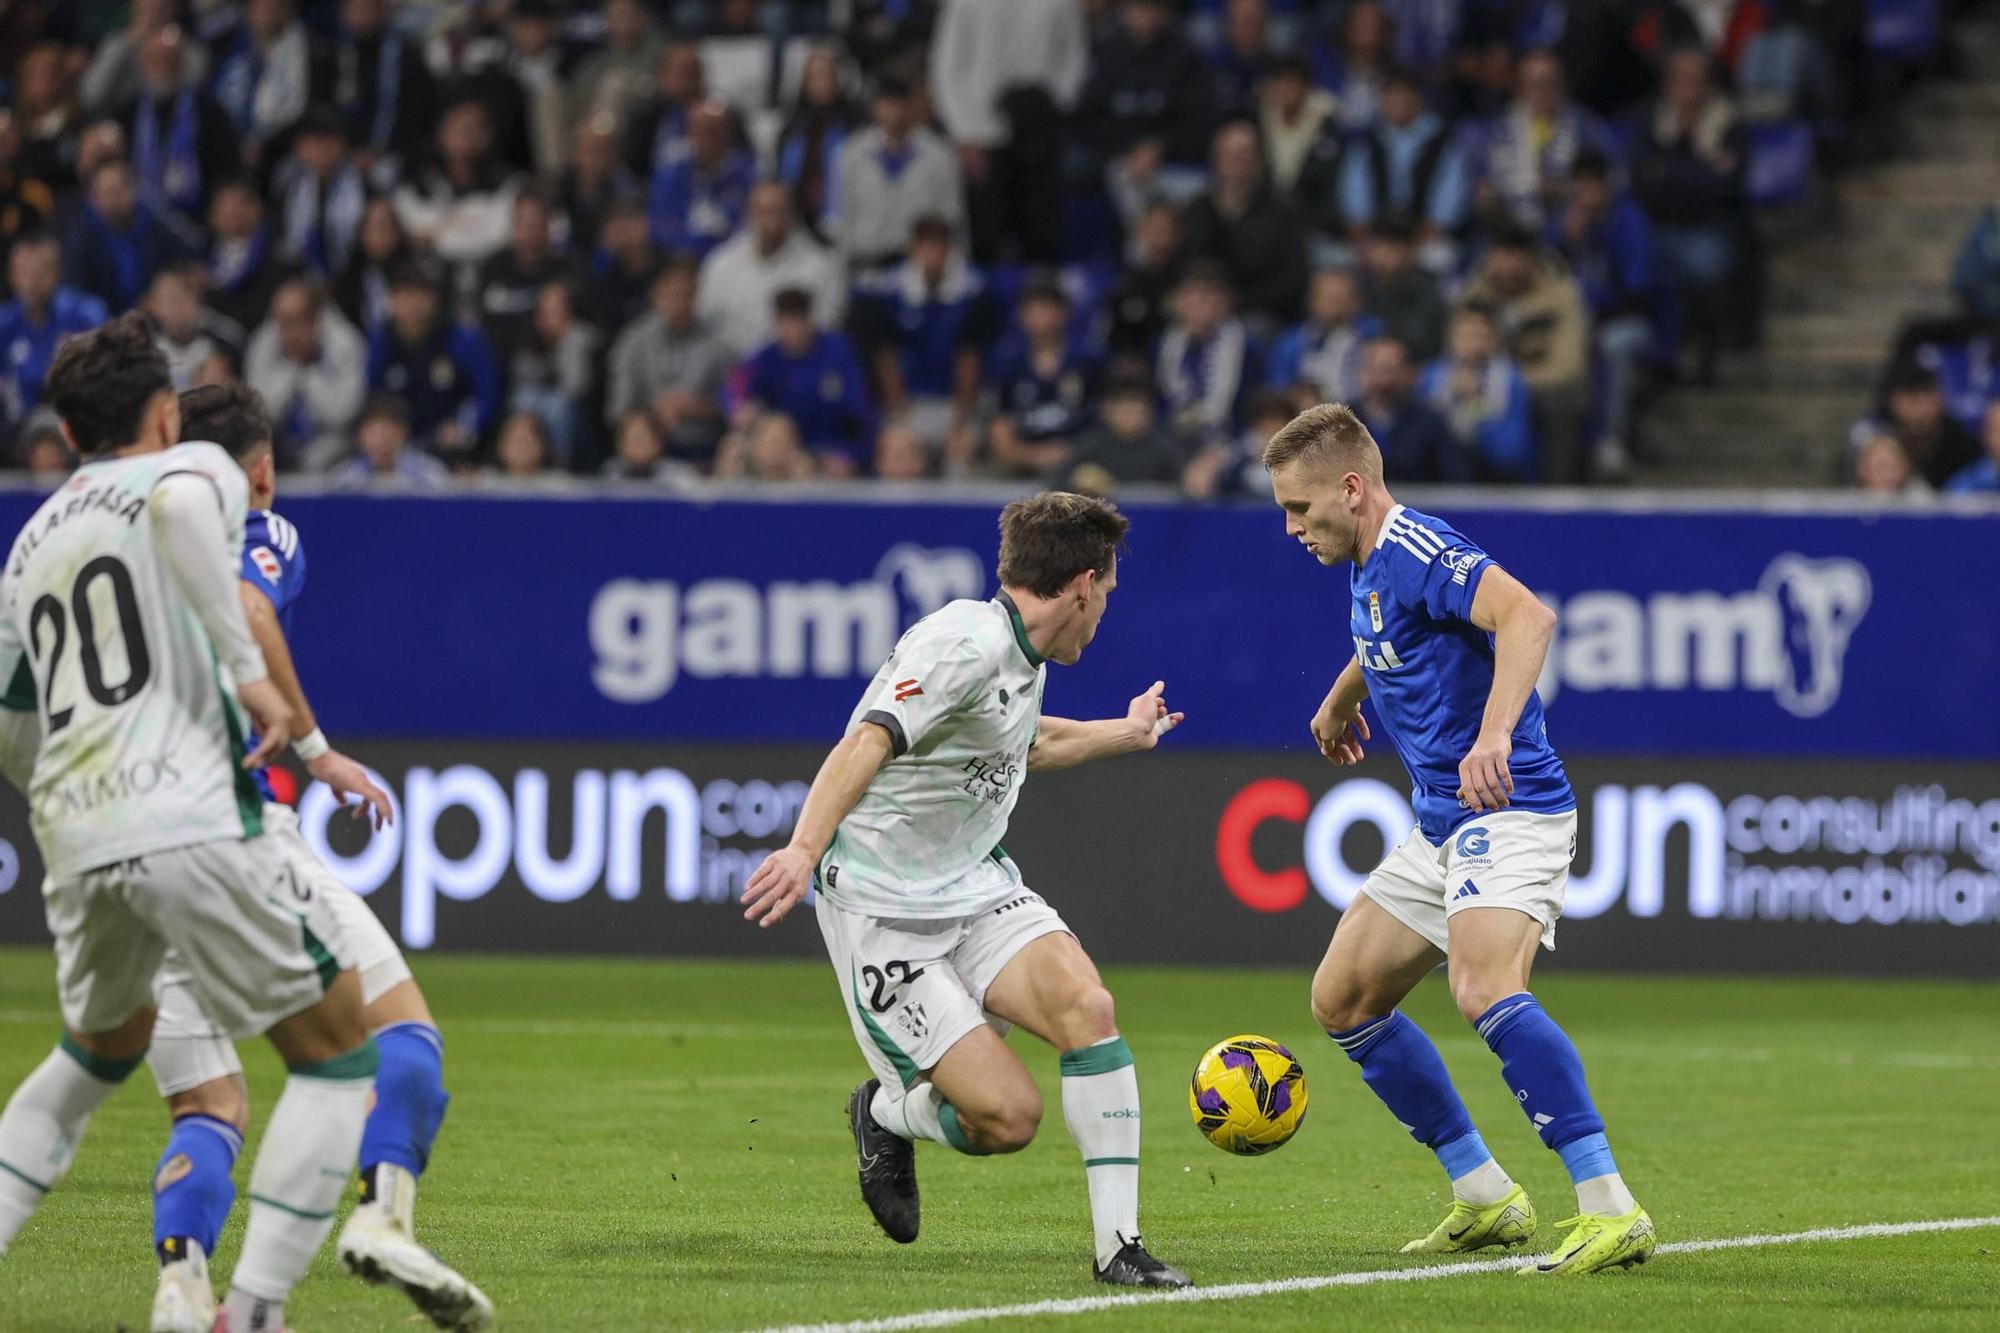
(912, 1113)
(244, 1313)
(1100, 1093)
(301, 1170)
(1605, 1194)
(42, 1125)
(1484, 1184)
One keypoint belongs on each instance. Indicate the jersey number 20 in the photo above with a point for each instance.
(49, 616)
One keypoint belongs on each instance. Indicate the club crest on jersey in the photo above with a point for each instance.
(267, 563)
(1375, 611)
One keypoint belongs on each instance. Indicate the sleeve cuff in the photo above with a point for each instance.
(890, 723)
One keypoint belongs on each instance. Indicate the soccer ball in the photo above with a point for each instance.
(1248, 1095)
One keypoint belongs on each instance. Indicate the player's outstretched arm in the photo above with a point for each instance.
(194, 547)
(1064, 742)
(1522, 628)
(343, 775)
(1338, 727)
(786, 874)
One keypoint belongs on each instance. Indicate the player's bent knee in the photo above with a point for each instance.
(1475, 990)
(225, 1099)
(1092, 1017)
(1340, 1003)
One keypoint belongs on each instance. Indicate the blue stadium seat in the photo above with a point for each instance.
(1906, 30)
(1780, 170)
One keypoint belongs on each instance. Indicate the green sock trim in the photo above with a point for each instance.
(287, 1208)
(955, 1136)
(359, 1063)
(19, 1174)
(1104, 1058)
(1089, 1162)
(101, 1068)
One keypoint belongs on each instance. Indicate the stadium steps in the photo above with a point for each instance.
(1838, 294)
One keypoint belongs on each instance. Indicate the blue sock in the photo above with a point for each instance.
(1404, 1069)
(409, 1101)
(1541, 1066)
(192, 1186)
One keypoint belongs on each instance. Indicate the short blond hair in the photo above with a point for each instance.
(1329, 434)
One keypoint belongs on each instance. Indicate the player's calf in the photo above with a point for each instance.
(45, 1119)
(193, 1191)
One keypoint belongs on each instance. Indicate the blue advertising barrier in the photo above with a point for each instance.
(1700, 630)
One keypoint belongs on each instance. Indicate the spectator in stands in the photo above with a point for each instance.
(45, 107)
(1687, 172)
(42, 314)
(1138, 303)
(377, 80)
(182, 142)
(173, 299)
(43, 451)
(739, 279)
(812, 375)
(1546, 328)
(1242, 59)
(1320, 358)
(262, 69)
(443, 370)
(1608, 242)
(925, 325)
(616, 79)
(637, 453)
(1417, 443)
(1004, 73)
(1301, 137)
(594, 180)
(772, 449)
(552, 371)
(511, 282)
(1207, 357)
(111, 80)
(1243, 223)
(1883, 467)
(1236, 467)
(1045, 380)
(1527, 155)
(243, 268)
(891, 174)
(533, 58)
(623, 270)
(460, 205)
(1360, 66)
(901, 454)
(469, 53)
(1129, 443)
(311, 368)
(1149, 94)
(362, 290)
(384, 454)
(320, 196)
(1404, 296)
(1982, 475)
(816, 133)
(118, 245)
(1408, 167)
(696, 201)
(522, 451)
(1938, 444)
(656, 130)
(1479, 391)
(666, 364)
(27, 204)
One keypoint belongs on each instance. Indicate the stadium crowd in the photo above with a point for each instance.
(1096, 241)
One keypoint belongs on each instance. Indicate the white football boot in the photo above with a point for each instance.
(379, 1246)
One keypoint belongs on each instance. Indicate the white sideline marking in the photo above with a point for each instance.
(1239, 1290)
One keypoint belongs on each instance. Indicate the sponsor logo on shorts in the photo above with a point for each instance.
(1466, 890)
(1021, 901)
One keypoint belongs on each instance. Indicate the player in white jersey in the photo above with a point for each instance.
(194, 1063)
(937, 945)
(122, 640)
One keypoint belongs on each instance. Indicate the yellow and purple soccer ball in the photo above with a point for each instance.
(1248, 1095)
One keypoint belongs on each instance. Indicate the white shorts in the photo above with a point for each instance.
(1511, 858)
(190, 1049)
(914, 987)
(252, 919)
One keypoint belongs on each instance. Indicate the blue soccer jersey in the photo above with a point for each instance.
(274, 562)
(1429, 670)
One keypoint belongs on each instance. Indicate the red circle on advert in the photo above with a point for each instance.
(1258, 889)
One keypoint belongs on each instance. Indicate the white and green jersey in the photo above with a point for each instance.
(961, 698)
(142, 745)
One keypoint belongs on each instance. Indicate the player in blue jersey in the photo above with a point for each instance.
(1449, 645)
(197, 1069)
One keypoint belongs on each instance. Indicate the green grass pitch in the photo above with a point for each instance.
(659, 1145)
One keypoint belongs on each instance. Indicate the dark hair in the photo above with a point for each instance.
(1048, 539)
(930, 227)
(413, 273)
(231, 415)
(240, 183)
(37, 236)
(1330, 433)
(1591, 164)
(1293, 63)
(102, 382)
(1395, 230)
(1207, 271)
(1511, 235)
(893, 86)
(388, 406)
(1912, 377)
(1480, 310)
(1267, 403)
(1044, 287)
(793, 301)
(1127, 384)
(320, 119)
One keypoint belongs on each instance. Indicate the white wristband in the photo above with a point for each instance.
(311, 745)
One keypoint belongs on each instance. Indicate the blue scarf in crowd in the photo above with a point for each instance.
(388, 80)
(231, 264)
(126, 250)
(173, 173)
(322, 220)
